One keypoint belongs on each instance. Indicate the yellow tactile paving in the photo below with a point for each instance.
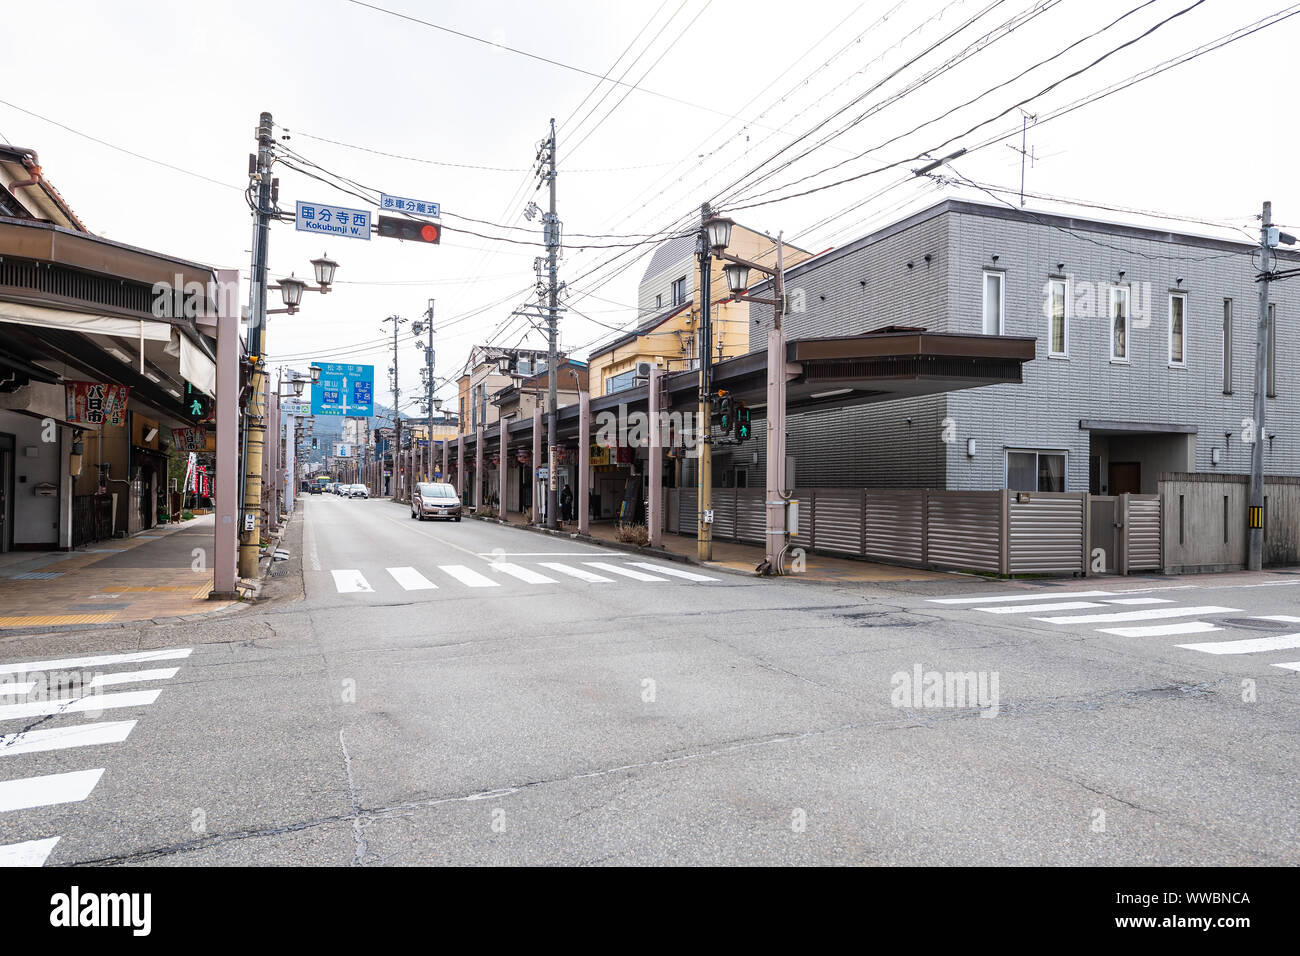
(47, 620)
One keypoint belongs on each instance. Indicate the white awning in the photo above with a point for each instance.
(196, 368)
(147, 329)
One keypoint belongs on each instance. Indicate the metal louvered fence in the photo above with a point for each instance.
(995, 532)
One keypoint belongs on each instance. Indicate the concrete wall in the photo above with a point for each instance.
(1200, 535)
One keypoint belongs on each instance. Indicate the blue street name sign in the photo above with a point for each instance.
(333, 220)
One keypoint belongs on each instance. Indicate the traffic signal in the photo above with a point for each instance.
(392, 228)
(725, 410)
(315, 443)
(742, 421)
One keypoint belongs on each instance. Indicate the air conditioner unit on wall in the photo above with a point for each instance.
(643, 370)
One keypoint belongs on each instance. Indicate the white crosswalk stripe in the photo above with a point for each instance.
(91, 703)
(132, 677)
(1162, 630)
(411, 579)
(1254, 645)
(493, 573)
(103, 660)
(350, 581)
(16, 688)
(1124, 621)
(1151, 614)
(527, 575)
(625, 572)
(27, 853)
(468, 576)
(1001, 598)
(582, 574)
(48, 789)
(62, 738)
(1030, 608)
(674, 572)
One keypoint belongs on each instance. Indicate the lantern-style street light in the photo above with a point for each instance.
(292, 288)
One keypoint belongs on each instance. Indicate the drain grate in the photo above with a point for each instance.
(1255, 624)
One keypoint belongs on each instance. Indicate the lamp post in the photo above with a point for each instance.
(776, 497)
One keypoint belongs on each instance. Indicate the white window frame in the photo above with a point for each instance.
(1118, 291)
(1179, 362)
(673, 291)
(1226, 345)
(1006, 465)
(1064, 283)
(1002, 301)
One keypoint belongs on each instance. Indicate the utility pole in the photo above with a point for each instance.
(1255, 548)
(428, 389)
(704, 534)
(552, 234)
(250, 545)
(397, 410)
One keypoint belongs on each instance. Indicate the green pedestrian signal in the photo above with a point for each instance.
(742, 421)
(725, 410)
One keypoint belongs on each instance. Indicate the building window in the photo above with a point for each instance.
(1036, 470)
(679, 290)
(621, 381)
(1177, 329)
(1227, 346)
(1058, 328)
(1271, 385)
(1119, 324)
(659, 302)
(994, 302)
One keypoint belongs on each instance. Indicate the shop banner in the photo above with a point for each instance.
(95, 403)
(189, 439)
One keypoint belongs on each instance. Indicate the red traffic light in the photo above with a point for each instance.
(411, 229)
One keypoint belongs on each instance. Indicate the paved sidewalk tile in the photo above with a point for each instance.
(133, 579)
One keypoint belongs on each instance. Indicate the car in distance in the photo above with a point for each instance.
(435, 499)
(315, 488)
(357, 491)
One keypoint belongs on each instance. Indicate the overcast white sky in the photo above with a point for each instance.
(184, 83)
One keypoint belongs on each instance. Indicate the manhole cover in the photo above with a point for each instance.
(1256, 624)
(880, 619)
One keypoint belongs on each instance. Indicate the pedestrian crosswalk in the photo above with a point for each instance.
(1126, 614)
(499, 573)
(63, 700)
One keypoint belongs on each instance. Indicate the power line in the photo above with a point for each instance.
(122, 149)
(538, 57)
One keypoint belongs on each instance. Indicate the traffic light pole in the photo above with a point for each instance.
(704, 534)
(777, 538)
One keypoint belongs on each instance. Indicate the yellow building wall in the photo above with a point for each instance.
(674, 340)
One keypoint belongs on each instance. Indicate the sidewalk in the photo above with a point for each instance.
(744, 558)
(131, 579)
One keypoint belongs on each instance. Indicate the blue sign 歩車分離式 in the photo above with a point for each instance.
(332, 220)
(344, 390)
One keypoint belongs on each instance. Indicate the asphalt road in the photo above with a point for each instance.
(415, 692)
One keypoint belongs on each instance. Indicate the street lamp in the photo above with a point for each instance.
(292, 288)
(777, 496)
(737, 277)
(719, 231)
(324, 268)
(315, 371)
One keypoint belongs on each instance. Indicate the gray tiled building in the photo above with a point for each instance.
(1145, 354)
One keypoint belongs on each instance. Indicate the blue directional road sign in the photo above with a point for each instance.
(344, 390)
